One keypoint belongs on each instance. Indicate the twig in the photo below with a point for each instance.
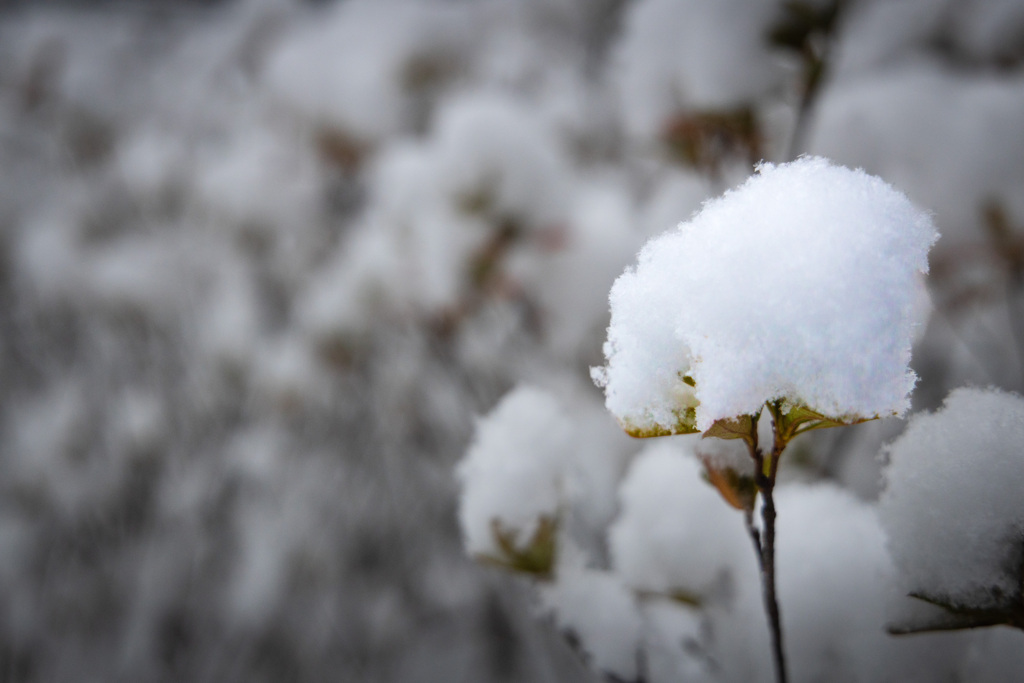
(766, 484)
(764, 541)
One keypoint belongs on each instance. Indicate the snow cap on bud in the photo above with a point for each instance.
(800, 286)
(512, 479)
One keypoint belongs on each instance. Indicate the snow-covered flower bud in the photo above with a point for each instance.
(800, 289)
(512, 479)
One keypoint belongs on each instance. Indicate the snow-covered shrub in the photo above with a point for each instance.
(796, 295)
(513, 476)
(261, 261)
(600, 614)
(360, 72)
(953, 511)
(445, 218)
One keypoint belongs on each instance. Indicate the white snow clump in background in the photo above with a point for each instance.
(832, 561)
(353, 69)
(801, 285)
(598, 609)
(885, 124)
(674, 535)
(952, 505)
(514, 471)
(692, 55)
(439, 208)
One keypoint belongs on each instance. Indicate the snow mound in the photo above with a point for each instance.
(803, 284)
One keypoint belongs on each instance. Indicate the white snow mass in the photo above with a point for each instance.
(513, 473)
(674, 534)
(799, 285)
(952, 506)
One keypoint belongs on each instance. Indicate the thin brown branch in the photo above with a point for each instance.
(771, 603)
(764, 541)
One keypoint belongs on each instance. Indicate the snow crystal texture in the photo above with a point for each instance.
(801, 285)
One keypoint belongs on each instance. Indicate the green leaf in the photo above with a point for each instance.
(742, 427)
(798, 419)
(537, 557)
(685, 416)
(479, 200)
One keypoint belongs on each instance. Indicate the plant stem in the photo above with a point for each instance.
(764, 542)
(771, 604)
(755, 537)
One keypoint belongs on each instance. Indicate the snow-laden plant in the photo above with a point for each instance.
(954, 514)
(510, 508)
(800, 288)
(795, 295)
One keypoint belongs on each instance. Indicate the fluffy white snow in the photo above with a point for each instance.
(894, 124)
(261, 261)
(835, 581)
(601, 612)
(952, 505)
(801, 285)
(674, 534)
(513, 473)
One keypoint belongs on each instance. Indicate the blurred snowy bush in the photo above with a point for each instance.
(952, 512)
(261, 262)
